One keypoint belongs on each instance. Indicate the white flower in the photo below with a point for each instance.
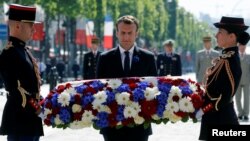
(76, 108)
(174, 118)
(58, 120)
(100, 97)
(155, 117)
(151, 93)
(152, 80)
(64, 99)
(139, 120)
(75, 125)
(175, 91)
(122, 98)
(102, 108)
(186, 105)
(87, 117)
(172, 107)
(136, 106)
(193, 87)
(71, 91)
(114, 83)
(47, 111)
(129, 112)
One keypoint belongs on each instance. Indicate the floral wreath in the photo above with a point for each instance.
(122, 102)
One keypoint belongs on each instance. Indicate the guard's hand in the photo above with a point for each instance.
(41, 115)
(199, 114)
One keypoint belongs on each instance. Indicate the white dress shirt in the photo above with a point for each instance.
(131, 51)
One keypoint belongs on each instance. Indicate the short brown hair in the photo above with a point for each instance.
(128, 19)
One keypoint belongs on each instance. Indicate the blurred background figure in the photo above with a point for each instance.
(204, 58)
(168, 62)
(41, 68)
(90, 60)
(60, 66)
(75, 69)
(243, 108)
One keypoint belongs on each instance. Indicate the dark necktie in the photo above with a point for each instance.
(126, 63)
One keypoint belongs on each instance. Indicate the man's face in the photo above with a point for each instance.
(94, 46)
(168, 48)
(242, 48)
(126, 34)
(27, 29)
(207, 44)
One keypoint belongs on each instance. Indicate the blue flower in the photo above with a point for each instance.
(136, 59)
(143, 85)
(102, 120)
(87, 99)
(160, 110)
(64, 115)
(164, 87)
(138, 94)
(111, 97)
(54, 100)
(123, 88)
(81, 88)
(97, 85)
(185, 90)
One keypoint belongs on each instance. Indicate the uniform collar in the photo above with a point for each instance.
(226, 50)
(16, 42)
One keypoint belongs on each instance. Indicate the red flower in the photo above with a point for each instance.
(68, 85)
(175, 98)
(89, 90)
(112, 120)
(77, 116)
(47, 121)
(60, 88)
(48, 105)
(148, 108)
(78, 99)
(127, 121)
(55, 110)
(133, 86)
(196, 100)
(181, 114)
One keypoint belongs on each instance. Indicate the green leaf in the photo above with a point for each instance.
(96, 127)
(185, 119)
(165, 120)
(146, 125)
(118, 126)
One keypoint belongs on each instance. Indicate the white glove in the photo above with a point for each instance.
(41, 115)
(199, 114)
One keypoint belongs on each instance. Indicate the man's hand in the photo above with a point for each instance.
(199, 114)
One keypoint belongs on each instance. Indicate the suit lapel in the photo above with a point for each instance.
(135, 61)
(118, 62)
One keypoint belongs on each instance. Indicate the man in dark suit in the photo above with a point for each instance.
(126, 60)
(22, 80)
(90, 60)
(168, 62)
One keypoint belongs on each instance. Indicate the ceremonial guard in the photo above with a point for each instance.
(169, 63)
(242, 96)
(90, 60)
(204, 58)
(20, 120)
(222, 79)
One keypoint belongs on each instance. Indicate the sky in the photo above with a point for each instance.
(217, 8)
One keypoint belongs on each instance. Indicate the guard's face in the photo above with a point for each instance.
(224, 39)
(169, 48)
(94, 46)
(27, 30)
(126, 34)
